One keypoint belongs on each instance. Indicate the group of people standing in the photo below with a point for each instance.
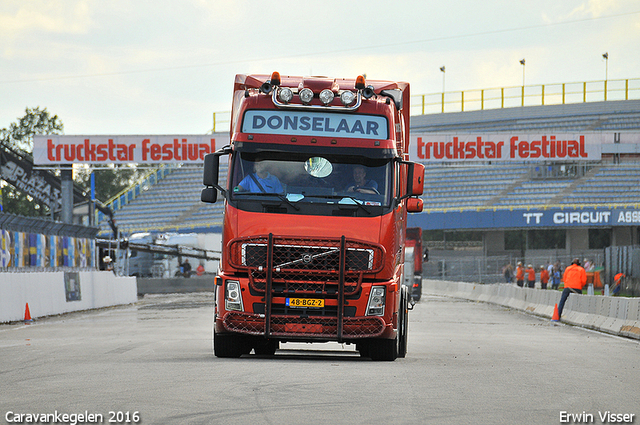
(552, 273)
(574, 278)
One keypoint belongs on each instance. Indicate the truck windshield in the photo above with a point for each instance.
(311, 178)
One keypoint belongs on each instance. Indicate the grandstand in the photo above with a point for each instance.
(173, 203)
(613, 180)
(509, 203)
(592, 116)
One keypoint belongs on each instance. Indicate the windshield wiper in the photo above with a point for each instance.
(278, 195)
(356, 201)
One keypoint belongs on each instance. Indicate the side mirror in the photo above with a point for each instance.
(414, 205)
(211, 167)
(415, 179)
(209, 194)
(210, 176)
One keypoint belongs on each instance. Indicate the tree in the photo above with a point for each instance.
(19, 136)
(109, 181)
(36, 121)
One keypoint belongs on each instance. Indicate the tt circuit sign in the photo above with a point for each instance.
(527, 219)
(55, 150)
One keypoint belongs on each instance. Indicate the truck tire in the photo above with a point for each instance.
(384, 349)
(363, 349)
(229, 345)
(265, 347)
(403, 322)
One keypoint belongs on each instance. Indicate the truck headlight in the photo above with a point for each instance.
(347, 98)
(326, 96)
(375, 306)
(306, 95)
(233, 296)
(285, 95)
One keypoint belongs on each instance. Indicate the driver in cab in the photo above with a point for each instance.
(360, 182)
(261, 181)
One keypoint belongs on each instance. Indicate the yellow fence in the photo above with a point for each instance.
(533, 95)
(504, 97)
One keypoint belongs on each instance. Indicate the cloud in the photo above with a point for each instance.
(595, 8)
(18, 16)
(21, 19)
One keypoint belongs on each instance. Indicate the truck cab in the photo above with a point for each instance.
(316, 198)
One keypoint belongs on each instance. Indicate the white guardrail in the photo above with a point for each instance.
(52, 293)
(614, 315)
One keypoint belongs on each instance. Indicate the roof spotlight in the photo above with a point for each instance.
(347, 97)
(285, 95)
(326, 96)
(368, 92)
(266, 87)
(306, 95)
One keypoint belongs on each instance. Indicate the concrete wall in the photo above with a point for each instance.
(615, 315)
(45, 292)
(175, 285)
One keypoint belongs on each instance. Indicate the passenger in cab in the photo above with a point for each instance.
(261, 181)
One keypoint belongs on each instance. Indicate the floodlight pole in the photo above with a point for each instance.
(606, 72)
(443, 74)
(522, 62)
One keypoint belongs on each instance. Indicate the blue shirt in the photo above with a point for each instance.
(369, 184)
(270, 184)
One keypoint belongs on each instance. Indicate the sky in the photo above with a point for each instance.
(164, 67)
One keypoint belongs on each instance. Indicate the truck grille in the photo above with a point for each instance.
(305, 265)
(323, 328)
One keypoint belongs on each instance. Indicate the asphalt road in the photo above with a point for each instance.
(468, 363)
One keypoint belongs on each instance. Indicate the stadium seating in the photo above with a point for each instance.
(173, 203)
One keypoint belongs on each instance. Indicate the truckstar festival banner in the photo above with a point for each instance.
(54, 150)
(507, 147)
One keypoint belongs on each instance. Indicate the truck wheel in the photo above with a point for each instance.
(384, 349)
(265, 347)
(363, 349)
(403, 322)
(228, 345)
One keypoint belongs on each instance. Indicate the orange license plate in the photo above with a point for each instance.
(305, 302)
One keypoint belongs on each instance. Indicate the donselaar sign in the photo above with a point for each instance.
(317, 124)
(507, 147)
(50, 150)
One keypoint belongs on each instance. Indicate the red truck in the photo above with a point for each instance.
(315, 204)
(413, 257)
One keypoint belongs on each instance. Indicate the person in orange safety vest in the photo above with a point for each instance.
(531, 276)
(617, 283)
(520, 275)
(575, 277)
(544, 277)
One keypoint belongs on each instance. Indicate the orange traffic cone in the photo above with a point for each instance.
(27, 314)
(556, 316)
